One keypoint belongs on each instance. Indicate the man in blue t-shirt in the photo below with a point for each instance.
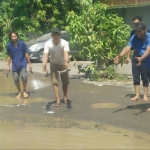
(140, 43)
(134, 21)
(18, 55)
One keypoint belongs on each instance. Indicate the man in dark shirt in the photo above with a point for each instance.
(18, 55)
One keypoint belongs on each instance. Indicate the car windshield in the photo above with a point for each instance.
(45, 37)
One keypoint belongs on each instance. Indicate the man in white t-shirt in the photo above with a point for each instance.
(58, 49)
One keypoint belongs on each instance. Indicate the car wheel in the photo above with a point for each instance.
(40, 56)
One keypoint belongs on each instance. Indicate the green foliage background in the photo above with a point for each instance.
(97, 31)
(100, 33)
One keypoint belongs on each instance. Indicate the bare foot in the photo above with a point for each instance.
(135, 98)
(57, 104)
(148, 109)
(19, 95)
(145, 98)
(65, 101)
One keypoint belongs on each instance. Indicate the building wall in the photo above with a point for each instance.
(129, 13)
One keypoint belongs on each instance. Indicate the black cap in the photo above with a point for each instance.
(56, 30)
(140, 26)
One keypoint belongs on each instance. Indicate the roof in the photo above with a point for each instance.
(125, 3)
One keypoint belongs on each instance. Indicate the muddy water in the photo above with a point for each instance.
(12, 101)
(8, 90)
(35, 82)
(106, 105)
(18, 135)
(27, 131)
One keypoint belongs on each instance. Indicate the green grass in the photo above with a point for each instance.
(117, 77)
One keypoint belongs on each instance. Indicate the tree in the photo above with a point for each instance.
(26, 16)
(100, 35)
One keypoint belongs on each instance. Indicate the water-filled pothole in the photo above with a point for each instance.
(106, 105)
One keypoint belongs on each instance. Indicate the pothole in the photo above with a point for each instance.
(106, 105)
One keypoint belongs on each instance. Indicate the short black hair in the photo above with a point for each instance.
(137, 17)
(12, 33)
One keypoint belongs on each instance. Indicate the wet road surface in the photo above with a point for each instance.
(95, 117)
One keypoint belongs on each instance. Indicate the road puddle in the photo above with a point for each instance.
(12, 101)
(32, 130)
(88, 135)
(35, 82)
(106, 105)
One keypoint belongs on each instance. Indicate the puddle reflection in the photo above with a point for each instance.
(34, 83)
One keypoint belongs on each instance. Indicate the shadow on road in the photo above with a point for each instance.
(48, 106)
(132, 95)
(142, 107)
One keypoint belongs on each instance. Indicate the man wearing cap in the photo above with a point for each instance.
(58, 49)
(134, 21)
(140, 43)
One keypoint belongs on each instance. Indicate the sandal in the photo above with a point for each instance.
(25, 95)
(57, 104)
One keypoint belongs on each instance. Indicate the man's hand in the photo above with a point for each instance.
(117, 59)
(66, 64)
(30, 66)
(8, 68)
(127, 60)
(139, 61)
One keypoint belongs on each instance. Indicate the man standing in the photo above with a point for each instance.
(140, 43)
(134, 21)
(17, 53)
(58, 49)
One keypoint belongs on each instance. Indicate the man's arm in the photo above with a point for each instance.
(25, 50)
(8, 62)
(45, 56)
(128, 57)
(129, 53)
(66, 55)
(8, 58)
(28, 60)
(145, 54)
(124, 51)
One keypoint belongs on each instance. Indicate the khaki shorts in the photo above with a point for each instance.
(55, 75)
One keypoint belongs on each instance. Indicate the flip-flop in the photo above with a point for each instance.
(25, 95)
(57, 104)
